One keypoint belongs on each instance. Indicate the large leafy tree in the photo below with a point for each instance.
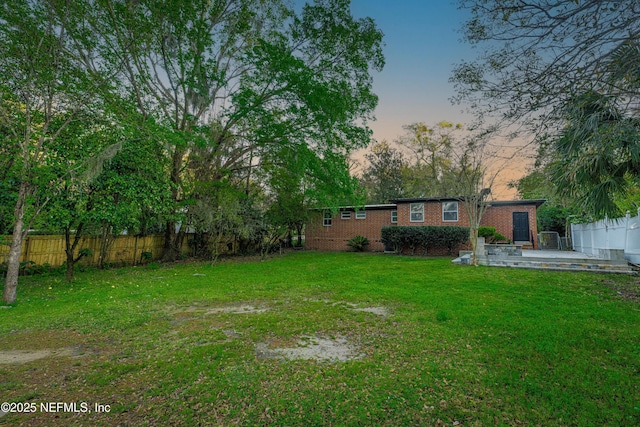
(589, 170)
(536, 56)
(383, 178)
(9, 179)
(238, 79)
(541, 66)
(473, 181)
(229, 82)
(131, 192)
(42, 89)
(596, 158)
(73, 161)
(429, 171)
(224, 217)
(289, 194)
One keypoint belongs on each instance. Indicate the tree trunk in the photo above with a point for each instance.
(70, 249)
(69, 252)
(171, 248)
(106, 240)
(214, 251)
(169, 233)
(299, 242)
(473, 237)
(169, 252)
(70, 268)
(179, 240)
(13, 262)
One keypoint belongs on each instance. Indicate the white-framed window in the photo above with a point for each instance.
(394, 217)
(345, 215)
(449, 211)
(361, 214)
(417, 212)
(327, 219)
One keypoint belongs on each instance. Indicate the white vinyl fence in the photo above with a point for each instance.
(620, 233)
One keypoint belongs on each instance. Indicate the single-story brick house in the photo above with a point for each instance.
(327, 230)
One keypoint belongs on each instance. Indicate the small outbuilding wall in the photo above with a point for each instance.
(500, 216)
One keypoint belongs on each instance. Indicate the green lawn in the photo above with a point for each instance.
(458, 345)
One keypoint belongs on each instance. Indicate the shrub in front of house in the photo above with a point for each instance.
(430, 237)
(490, 235)
(486, 232)
(358, 243)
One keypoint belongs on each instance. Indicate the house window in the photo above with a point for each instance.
(450, 211)
(326, 221)
(345, 215)
(361, 215)
(417, 212)
(394, 217)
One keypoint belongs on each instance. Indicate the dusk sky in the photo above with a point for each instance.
(422, 44)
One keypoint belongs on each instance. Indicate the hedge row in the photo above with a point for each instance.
(401, 238)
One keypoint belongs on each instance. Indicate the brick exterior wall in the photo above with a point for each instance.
(432, 215)
(336, 236)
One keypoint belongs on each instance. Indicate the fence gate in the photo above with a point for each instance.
(549, 240)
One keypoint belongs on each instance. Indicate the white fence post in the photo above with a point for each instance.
(626, 229)
(632, 248)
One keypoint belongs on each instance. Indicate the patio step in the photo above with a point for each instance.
(572, 263)
(525, 245)
(577, 264)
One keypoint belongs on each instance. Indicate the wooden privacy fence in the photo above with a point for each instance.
(49, 249)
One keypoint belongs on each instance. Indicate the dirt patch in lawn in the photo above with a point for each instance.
(238, 309)
(378, 311)
(626, 291)
(27, 346)
(338, 349)
(17, 357)
(233, 309)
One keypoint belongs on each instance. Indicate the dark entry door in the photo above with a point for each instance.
(521, 226)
